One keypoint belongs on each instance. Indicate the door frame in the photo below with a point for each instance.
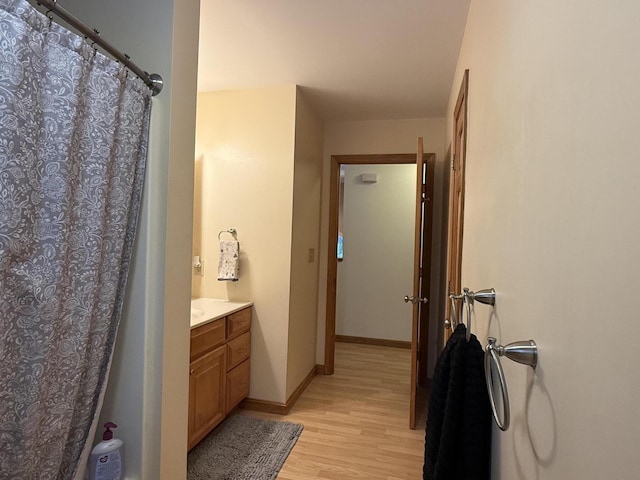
(457, 183)
(332, 241)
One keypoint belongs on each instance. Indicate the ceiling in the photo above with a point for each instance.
(354, 59)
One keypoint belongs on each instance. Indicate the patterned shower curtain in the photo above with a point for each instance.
(73, 146)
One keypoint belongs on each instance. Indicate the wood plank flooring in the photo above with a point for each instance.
(356, 422)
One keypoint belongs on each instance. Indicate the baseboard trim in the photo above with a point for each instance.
(373, 341)
(281, 408)
(293, 398)
(264, 406)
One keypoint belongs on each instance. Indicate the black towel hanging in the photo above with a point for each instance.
(458, 433)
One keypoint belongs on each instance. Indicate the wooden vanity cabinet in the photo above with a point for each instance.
(219, 371)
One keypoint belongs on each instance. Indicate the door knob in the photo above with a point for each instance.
(414, 300)
(447, 323)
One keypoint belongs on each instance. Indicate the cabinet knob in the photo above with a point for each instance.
(191, 372)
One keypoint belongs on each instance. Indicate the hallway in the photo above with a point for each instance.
(356, 421)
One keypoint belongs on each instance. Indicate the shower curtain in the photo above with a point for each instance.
(73, 146)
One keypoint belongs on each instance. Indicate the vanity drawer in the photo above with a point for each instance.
(238, 323)
(237, 385)
(207, 337)
(238, 350)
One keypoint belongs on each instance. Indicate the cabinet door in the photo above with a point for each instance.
(206, 394)
(237, 385)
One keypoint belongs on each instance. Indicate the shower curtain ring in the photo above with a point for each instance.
(50, 17)
(93, 44)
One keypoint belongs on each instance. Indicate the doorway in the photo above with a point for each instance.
(374, 253)
(425, 194)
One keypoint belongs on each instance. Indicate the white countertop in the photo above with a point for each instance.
(205, 310)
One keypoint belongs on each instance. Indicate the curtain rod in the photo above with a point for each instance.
(153, 81)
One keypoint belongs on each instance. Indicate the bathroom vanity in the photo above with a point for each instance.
(219, 362)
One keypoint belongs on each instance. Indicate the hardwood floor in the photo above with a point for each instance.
(356, 422)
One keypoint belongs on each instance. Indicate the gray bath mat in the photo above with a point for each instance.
(243, 448)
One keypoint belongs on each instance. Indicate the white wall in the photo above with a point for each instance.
(177, 292)
(245, 142)
(377, 269)
(148, 386)
(386, 136)
(550, 223)
(307, 186)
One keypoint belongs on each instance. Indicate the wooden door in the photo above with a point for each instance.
(421, 278)
(207, 378)
(456, 202)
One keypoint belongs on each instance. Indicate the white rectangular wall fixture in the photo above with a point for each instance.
(369, 177)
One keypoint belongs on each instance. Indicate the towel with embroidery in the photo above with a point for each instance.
(229, 261)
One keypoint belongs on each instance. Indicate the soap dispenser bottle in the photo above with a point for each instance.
(107, 457)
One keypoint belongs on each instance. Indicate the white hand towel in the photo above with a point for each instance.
(228, 263)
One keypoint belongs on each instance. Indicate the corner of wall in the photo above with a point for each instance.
(303, 298)
(179, 231)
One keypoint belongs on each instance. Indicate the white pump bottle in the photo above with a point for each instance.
(107, 457)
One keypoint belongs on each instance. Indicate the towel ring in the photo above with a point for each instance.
(231, 231)
(467, 300)
(490, 357)
(525, 352)
(486, 296)
(454, 316)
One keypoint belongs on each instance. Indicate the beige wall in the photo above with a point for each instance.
(148, 387)
(377, 270)
(550, 222)
(307, 184)
(245, 142)
(387, 136)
